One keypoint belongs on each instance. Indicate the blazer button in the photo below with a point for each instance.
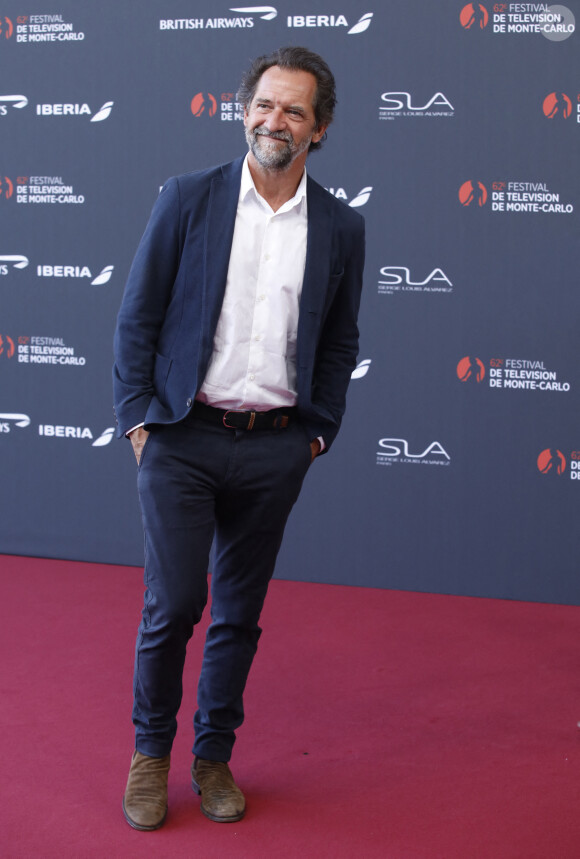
(189, 402)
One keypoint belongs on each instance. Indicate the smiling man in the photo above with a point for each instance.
(235, 343)
(291, 95)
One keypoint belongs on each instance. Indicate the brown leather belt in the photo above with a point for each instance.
(245, 420)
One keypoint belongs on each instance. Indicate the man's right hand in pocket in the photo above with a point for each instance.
(138, 438)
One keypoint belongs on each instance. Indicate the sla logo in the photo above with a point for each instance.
(470, 369)
(7, 418)
(361, 369)
(397, 450)
(266, 13)
(318, 21)
(551, 461)
(557, 104)
(7, 348)
(16, 261)
(473, 192)
(360, 199)
(474, 15)
(397, 278)
(75, 110)
(17, 101)
(6, 28)
(75, 271)
(53, 431)
(202, 103)
(402, 101)
(6, 188)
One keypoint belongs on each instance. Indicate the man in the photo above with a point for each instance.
(235, 344)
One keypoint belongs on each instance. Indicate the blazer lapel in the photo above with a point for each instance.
(316, 273)
(220, 222)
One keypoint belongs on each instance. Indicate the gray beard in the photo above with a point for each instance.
(270, 155)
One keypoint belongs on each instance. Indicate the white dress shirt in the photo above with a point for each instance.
(253, 365)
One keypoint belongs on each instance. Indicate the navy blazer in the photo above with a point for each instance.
(175, 290)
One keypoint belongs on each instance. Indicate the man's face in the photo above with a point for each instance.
(280, 122)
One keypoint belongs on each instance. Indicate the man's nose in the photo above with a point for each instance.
(276, 120)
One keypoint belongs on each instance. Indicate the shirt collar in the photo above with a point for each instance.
(247, 186)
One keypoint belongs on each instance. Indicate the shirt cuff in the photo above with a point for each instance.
(128, 433)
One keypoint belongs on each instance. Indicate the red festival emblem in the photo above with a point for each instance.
(470, 369)
(473, 192)
(6, 188)
(474, 15)
(551, 461)
(6, 28)
(203, 101)
(557, 104)
(6, 346)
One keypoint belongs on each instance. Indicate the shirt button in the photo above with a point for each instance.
(267, 257)
(252, 377)
(189, 402)
(257, 337)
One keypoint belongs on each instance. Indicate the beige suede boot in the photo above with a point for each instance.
(221, 799)
(145, 800)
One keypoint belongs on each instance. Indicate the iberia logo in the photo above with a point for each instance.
(361, 369)
(6, 187)
(6, 346)
(473, 192)
(470, 369)
(6, 28)
(557, 104)
(474, 16)
(203, 102)
(551, 461)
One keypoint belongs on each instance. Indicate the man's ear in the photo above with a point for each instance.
(319, 133)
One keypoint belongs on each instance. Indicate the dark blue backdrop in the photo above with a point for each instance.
(455, 470)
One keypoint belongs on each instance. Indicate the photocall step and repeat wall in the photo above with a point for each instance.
(457, 135)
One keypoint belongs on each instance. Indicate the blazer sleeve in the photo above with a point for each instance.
(145, 300)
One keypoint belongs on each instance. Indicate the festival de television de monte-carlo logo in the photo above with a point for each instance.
(552, 463)
(554, 22)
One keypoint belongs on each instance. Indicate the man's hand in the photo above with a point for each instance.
(138, 438)
(315, 448)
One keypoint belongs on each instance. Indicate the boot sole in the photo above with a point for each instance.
(139, 826)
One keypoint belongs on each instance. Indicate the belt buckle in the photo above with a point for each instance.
(251, 420)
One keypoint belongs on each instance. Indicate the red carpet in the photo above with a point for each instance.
(379, 724)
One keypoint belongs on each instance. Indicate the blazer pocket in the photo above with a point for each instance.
(333, 282)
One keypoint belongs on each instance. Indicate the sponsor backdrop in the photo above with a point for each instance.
(457, 132)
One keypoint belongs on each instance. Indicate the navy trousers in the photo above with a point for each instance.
(196, 480)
